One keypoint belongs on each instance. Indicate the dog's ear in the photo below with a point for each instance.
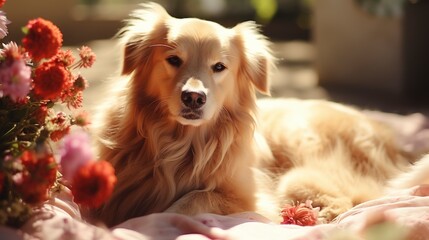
(145, 28)
(256, 60)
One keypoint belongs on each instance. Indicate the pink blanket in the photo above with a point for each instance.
(401, 215)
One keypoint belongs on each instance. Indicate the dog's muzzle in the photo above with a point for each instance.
(192, 101)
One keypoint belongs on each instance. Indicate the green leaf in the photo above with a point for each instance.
(25, 30)
(265, 9)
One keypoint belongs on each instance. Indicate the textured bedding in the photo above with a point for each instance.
(401, 214)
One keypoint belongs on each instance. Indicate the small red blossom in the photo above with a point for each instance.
(40, 114)
(73, 98)
(38, 176)
(57, 135)
(80, 83)
(64, 57)
(303, 214)
(50, 80)
(93, 183)
(87, 57)
(33, 193)
(42, 167)
(2, 2)
(42, 40)
(60, 119)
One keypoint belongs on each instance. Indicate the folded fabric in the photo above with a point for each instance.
(400, 215)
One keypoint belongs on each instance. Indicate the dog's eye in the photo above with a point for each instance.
(174, 61)
(218, 67)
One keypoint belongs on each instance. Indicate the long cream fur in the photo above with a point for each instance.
(328, 153)
(416, 174)
(224, 158)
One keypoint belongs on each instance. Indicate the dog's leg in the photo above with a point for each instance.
(299, 185)
(201, 201)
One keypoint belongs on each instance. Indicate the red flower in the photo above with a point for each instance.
(38, 176)
(32, 192)
(50, 80)
(42, 40)
(93, 183)
(302, 215)
(2, 2)
(57, 135)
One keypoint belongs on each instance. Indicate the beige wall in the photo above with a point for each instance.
(67, 15)
(356, 49)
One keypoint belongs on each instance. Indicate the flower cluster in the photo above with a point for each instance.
(91, 181)
(302, 214)
(36, 82)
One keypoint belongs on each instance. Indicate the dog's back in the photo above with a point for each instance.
(328, 153)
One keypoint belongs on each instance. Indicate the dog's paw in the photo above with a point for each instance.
(331, 207)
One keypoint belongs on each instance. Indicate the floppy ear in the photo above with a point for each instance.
(145, 28)
(256, 60)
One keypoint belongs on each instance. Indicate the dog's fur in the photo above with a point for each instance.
(416, 174)
(180, 131)
(328, 153)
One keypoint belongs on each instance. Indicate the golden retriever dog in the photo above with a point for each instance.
(184, 134)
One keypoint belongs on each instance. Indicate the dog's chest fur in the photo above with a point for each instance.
(166, 160)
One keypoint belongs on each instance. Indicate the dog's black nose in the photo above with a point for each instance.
(193, 99)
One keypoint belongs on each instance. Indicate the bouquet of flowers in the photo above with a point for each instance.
(36, 82)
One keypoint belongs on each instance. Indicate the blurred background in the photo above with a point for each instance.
(369, 53)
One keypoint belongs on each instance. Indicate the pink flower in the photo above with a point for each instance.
(75, 152)
(10, 52)
(3, 22)
(63, 57)
(15, 80)
(302, 215)
(87, 57)
(82, 119)
(73, 98)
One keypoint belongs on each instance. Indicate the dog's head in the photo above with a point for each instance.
(194, 68)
